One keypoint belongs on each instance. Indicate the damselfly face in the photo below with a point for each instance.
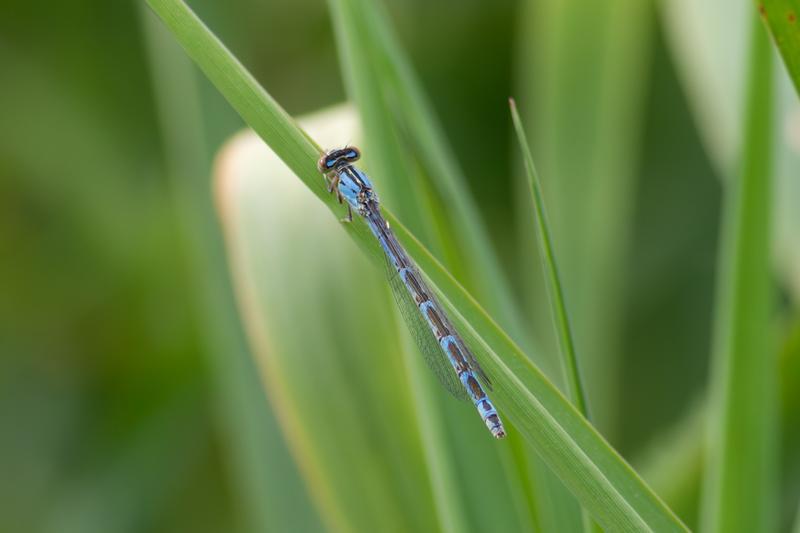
(348, 182)
(338, 157)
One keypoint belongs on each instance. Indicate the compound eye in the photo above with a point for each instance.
(326, 163)
(334, 158)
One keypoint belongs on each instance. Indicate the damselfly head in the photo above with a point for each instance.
(337, 158)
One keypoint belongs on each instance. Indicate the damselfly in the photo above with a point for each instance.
(444, 349)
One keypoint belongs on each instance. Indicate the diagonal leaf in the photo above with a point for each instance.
(601, 480)
(781, 19)
(555, 292)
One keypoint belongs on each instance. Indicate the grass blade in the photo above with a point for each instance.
(584, 65)
(572, 448)
(555, 293)
(554, 289)
(739, 491)
(781, 19)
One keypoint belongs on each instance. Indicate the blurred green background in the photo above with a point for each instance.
(115, 412)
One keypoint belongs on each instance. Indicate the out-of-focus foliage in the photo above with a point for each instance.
(740, 485)
(113, 415)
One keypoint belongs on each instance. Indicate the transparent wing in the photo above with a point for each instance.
(426, 341)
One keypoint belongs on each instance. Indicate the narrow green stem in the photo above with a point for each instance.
(555, 291)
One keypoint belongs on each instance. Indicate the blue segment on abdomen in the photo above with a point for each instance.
(403, 273)
(445, 342)
(423, 308)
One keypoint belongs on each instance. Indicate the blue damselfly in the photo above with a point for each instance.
(444, 349)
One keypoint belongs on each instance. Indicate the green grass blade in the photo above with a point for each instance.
(555, 293)
(572, 448)
(781, 19)
(740, 486)
(554, 289)
(584, 69)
